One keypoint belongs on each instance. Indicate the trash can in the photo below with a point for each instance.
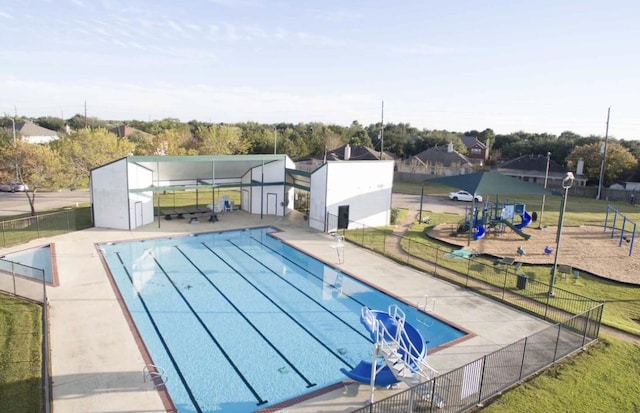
(522, 281)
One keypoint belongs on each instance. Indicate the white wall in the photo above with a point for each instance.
(140, 203)
(366, 186)
(110, 195)
(318, 198)
(268, 199)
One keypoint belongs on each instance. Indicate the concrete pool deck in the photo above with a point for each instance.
(96, 363)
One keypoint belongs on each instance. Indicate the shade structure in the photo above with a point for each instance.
(490, 183)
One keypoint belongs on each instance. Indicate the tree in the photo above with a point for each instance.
(619, 163)
(86, 149)
(50, 122)
(175, 141)
(221, 140)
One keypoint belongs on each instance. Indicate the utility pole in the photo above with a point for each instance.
(85, 114)
(382, 131)
(604, 156)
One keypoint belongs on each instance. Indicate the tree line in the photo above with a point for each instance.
(66, 162)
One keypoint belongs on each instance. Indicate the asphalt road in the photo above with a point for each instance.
(429, 203)
(17, 203)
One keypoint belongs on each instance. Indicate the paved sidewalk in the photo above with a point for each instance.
(96, 363)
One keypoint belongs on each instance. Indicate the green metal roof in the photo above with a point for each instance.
(490, 183)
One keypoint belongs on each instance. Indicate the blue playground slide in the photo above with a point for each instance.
(410, 339)
(526, 220)
(479, 232)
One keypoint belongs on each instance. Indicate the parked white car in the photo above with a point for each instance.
(464, 196)
(19, 187)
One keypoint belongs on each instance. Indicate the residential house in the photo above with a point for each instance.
(533, 168)
(477, 152)
(439, 161)
(345, 153)
(125, 131)
(32, 133)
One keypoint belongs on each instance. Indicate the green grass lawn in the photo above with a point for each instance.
(20, 355)
(604, 378)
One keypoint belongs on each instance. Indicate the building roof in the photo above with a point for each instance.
(358, 153)
(533, 165)
(490, 183)
(470, 141)
(441, 155)
(28, 129)
(124, 131)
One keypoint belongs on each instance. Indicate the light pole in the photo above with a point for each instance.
(566, 184)
(546, 177)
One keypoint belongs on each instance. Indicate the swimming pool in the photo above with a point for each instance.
(240, 321)
(39, 257)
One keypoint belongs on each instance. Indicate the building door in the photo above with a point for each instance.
(272, 204)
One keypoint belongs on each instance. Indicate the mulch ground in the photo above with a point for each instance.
(586, 248)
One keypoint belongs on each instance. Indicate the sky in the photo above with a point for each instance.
(536, 66)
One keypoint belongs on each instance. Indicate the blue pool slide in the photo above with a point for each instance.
(479, 232)
(526, 220)
(410, 340)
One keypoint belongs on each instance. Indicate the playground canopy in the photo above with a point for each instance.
(490, 183)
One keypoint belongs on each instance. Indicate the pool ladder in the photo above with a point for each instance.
(154, 374)
(427, 305)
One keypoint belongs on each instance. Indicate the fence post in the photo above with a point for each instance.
(4, 240)
(524, 355)
(13, 277)
(484, 363)
(38, 225)
(68, 223)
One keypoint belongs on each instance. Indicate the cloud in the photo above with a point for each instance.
(5, 15)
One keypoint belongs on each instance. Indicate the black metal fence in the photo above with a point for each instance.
(21, 230)
(469, 385)
(579, 319)
(503, 281)
(30, 283)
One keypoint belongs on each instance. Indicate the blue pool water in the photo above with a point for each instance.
(241, 321)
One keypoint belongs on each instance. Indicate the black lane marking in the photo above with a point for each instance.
(287, 361)
(280, 308)
(368, 338)
(304, 269)
(164, 343)
(224, 353)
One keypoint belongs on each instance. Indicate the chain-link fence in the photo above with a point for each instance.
(21, 230)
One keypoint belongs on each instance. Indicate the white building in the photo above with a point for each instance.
(122, 192)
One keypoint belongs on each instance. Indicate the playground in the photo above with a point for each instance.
(599, 250)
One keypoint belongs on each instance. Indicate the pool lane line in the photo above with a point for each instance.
(306, 270)
(164, 343)
(357, 331)
(280, 308)
(224, 353)
(273, 346)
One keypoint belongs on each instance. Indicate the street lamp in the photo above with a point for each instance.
(566, 184)
(546, 177)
